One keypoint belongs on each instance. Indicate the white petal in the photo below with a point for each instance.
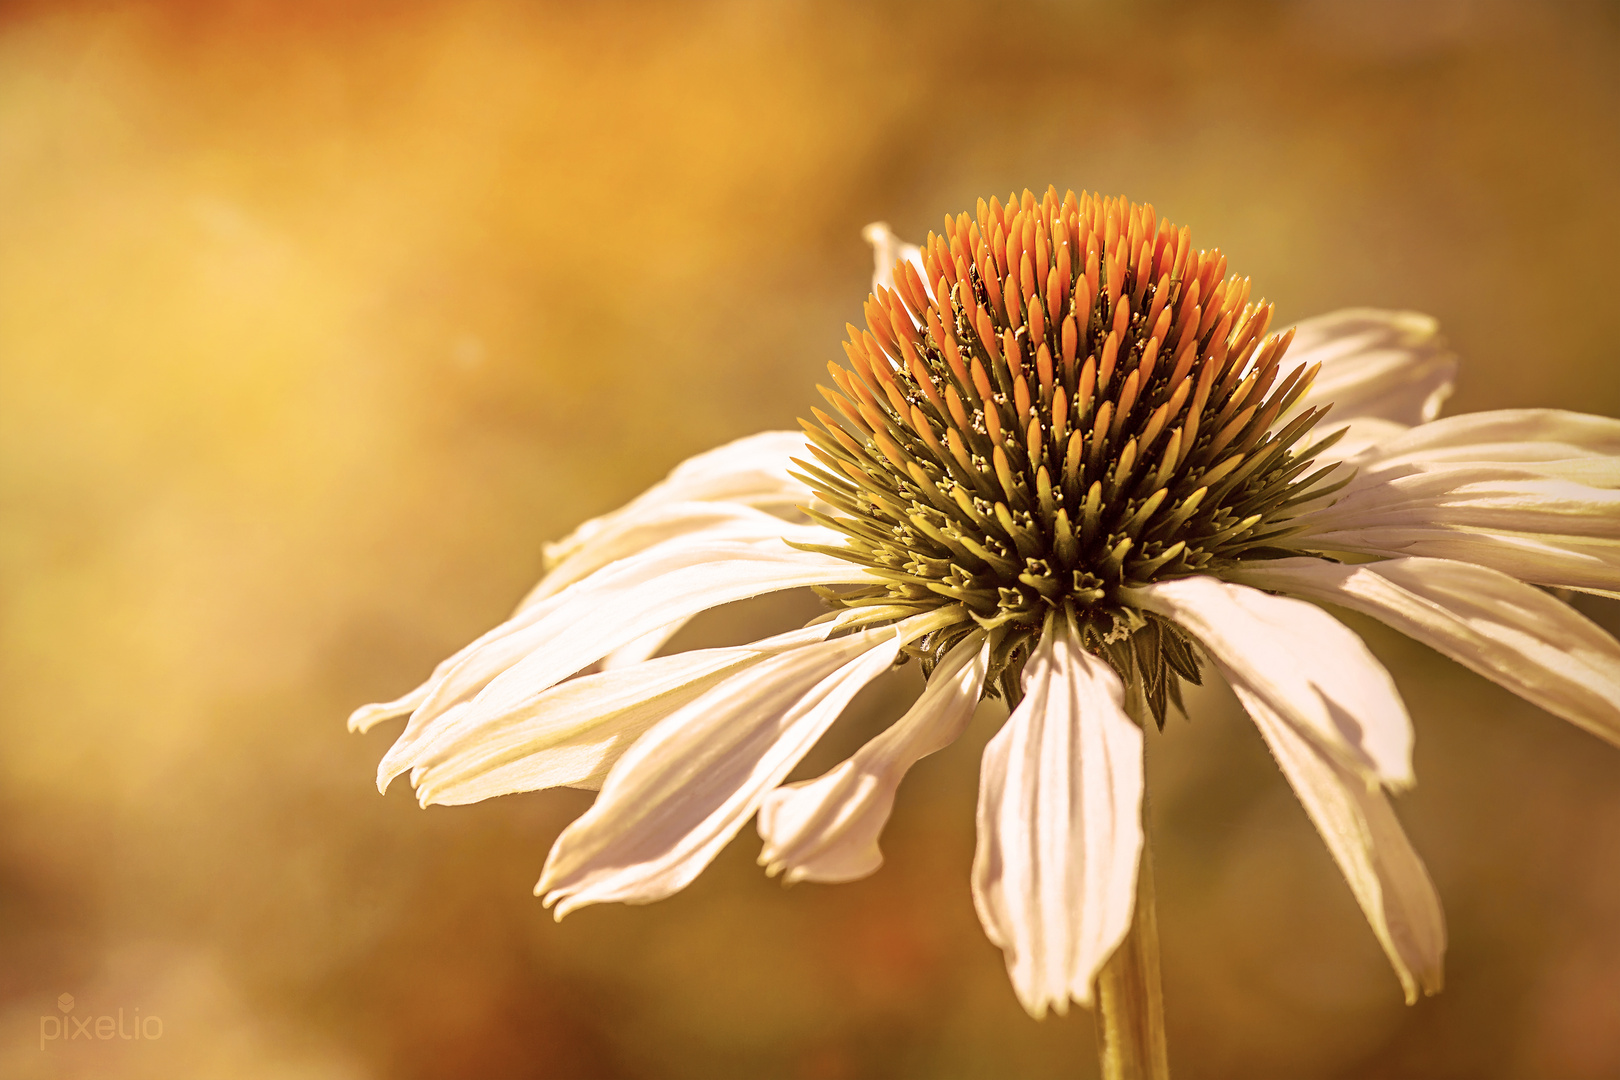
(1565, 562)
(367, 717)
(559, 636)
(751, 472)
(1513, 497)
(682, 791)
(721, 487)
(1505, 435)
(750, 475)
(1387, 365)
(1536, 646)
(568, 736)
(753, 469)
(887, 250)
(623, 534)
(572, 734)
(827, 829)
(1292, 658)
(640, 649)
(1540, 460)
(627, 535)
(1521, 518)
(1366, 840)
(1060, 825)
(1542, 443)
(638, 596)
(1363, 436)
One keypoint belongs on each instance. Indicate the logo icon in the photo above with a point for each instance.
(65, 1003)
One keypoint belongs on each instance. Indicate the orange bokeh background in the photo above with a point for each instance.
(317, 320)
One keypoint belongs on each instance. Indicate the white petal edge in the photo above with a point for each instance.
(1583, 563)
(723, 493)
(685, 788)
(827, 829)
(640, 649)
(1386, 365)
(632, 598)
(887, 250)
(572, 734)
(721, 522)
(1060, 825)
(1502, 435)
(1294, 659)
(636, 597)
(752, 471)
(622, 535)
(1363, 435)
(1364, 837)
(1512, 633)
(1514, 497)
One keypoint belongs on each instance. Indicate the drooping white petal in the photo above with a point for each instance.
(1515, 634)
(1366, 840)
(724, 491)
(1294, 659)
(1565, 562)
(569, 735)
(636, 597)
(682, 791)
(628, 600)
(640, 649)
(1555, 462)
(624, 534)
(573, 733)
(1060, 825)
(1529, 492)
(367, 717)
(1515, 518)
(1554, 442)
(1386, 365)
(1498, 498)
(1363, 435)
(751, 471)
(888, 249)
(827, 829)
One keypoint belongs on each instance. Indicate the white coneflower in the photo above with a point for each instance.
(1066, 461)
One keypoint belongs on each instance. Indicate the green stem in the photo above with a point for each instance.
(1130, 1001)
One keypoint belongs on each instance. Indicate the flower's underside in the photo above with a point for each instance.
(1067, 402)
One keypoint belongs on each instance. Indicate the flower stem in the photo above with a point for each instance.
(1130, 1001)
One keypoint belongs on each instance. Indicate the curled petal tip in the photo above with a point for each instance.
(368, 716)
(549, 898)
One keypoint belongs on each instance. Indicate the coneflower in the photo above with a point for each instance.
(1068, 464)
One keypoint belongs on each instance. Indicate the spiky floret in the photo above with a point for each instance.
(1069, 402)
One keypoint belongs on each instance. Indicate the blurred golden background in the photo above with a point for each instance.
(316, 320)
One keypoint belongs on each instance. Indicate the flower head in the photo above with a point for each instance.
(1015, 440)
(1067, 463)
